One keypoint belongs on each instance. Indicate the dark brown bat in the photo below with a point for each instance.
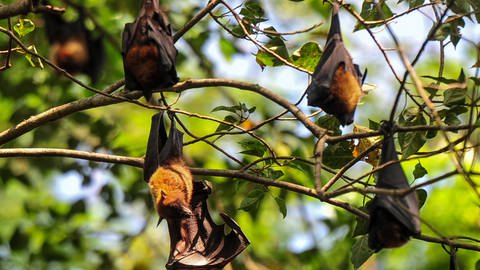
(196, 242)
(148, 51)
(392, 219)
(336, 81)
(72, 46)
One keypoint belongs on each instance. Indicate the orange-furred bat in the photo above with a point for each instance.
(392, 219)
(170, 181)
(336, 81)
(148, 51)
(196, 242)
(73, 47)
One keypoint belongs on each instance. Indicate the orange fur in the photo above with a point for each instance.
(346, 89)
(72, 54)
(172, 186)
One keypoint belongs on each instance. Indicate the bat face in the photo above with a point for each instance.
(170, 181)
(72, 46)
(148, 51)
(392, 219)
(336, 83)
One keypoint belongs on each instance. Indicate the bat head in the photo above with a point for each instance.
(161, 149)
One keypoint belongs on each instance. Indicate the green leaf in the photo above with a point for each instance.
(277, 45)
(419, 171)
(477, 265)
(23, 27)
(411, 142)
(253, 148)
(337, 155)
(360, 251)
(373, 11)
(454, 96)
(229, 118)
(307, 56)
(275, 174)
(282, 206)
(331, 123)
(413, 3)
(253, 199)
(253, 12)
(227, 48)
(422, 197)
(441, 79)
(361, 227)
(233, 108)
(373, 125)
(451, 119)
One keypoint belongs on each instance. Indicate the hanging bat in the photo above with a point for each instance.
(336, 81)
(169, 179)
(72, 46)
(148, 51)
(195, 240)
(392, 219)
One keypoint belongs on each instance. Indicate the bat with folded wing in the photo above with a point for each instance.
(72, 45)
(336, 81)
(148, 51)
(196, 242)
(392, 219)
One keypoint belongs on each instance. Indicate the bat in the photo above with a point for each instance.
(336, 81)
(196, 242)
(72, 46)
(169, 179)
(392, 219)
(148, 51)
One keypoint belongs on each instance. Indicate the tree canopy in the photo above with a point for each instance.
(296, 181)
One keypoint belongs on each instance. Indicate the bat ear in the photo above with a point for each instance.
(156, 140)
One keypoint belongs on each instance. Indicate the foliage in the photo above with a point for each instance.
(60, 212)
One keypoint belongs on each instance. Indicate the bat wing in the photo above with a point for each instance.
(97, 58)
(173, 145)
(197, 242)
(127, 35)
(156, 141)
(335, 85)
(405, 209)
(164, 42)
(392, 219)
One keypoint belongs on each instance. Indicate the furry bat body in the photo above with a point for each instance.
(392, 219)
(336, 81)
(196, 242)
(148, 51)
(72, 46)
